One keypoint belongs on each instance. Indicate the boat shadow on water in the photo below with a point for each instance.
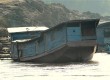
(32, 64)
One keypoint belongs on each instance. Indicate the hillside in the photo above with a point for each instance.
(5, 1)
(35, 12)
(96, 6)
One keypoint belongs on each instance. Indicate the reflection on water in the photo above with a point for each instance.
(98, 68)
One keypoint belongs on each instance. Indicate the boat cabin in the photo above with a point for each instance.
(103, 33)
(70, 31)
(103, 36)
(19, 33)
(77, 32)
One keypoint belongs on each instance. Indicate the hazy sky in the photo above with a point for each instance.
(98, 6)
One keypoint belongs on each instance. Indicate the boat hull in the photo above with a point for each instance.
(69, 55)
(66, 53)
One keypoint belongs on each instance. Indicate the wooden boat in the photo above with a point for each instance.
(103, 37)
(69, 41)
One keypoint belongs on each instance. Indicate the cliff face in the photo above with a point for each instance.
(35, 12)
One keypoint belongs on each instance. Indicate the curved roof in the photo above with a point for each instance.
(104, 24)
(74, 21)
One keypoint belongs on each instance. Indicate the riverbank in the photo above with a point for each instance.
(5, 48)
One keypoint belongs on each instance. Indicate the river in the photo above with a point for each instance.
(96, 69)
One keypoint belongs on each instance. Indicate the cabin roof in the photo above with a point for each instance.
(74, 22)
(104, 24)
(82, 20)
(25, 29)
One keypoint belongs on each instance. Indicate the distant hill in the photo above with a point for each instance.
(5, 1)
(36, 12)
(96, 6)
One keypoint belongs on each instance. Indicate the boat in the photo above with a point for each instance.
(70, 41)
(103, 37)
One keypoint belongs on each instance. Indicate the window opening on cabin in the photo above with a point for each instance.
(107, 33)
(88, 29)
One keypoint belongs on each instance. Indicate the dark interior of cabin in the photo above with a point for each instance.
(88, 29)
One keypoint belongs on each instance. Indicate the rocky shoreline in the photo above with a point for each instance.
(5, 48)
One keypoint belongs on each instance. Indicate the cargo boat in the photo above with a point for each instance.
(70, 41)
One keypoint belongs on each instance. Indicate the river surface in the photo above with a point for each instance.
(97, 69)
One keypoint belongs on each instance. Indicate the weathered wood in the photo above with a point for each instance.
(103, 37)
(68, 41)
